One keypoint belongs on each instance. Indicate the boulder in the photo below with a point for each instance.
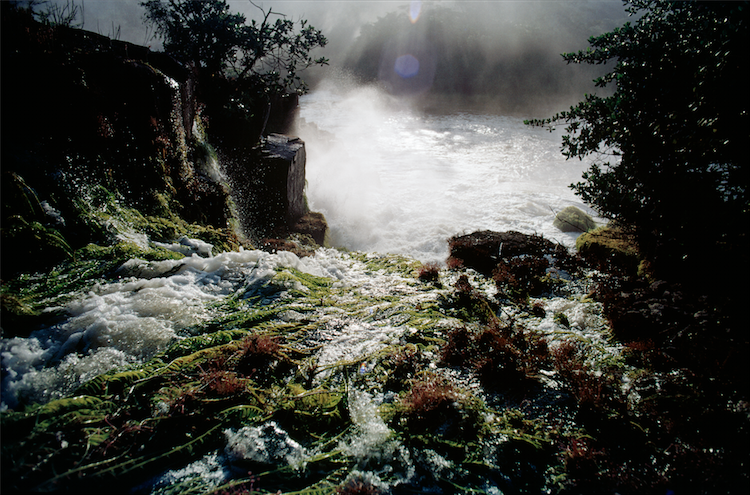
(483, 250)
(610, 248)
(572, 219)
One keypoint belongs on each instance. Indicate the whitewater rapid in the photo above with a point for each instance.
(392, 179)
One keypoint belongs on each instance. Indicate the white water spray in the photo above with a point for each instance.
(391, 179)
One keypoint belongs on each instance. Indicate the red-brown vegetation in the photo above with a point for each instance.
(403, 366)
(434, 405)
(502, 357)
(261, 358)
(522, 276)
(429, 272)
(357, 487)
(244, 488)
(590, 387)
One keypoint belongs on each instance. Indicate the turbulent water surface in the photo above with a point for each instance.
(391, 179)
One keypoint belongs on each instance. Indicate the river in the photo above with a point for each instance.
(392, 179)
(389, 180)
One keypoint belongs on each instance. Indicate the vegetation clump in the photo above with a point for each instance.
(430, 272)
(402, 367)
(357, 487)
(503, 358)
(433, 405)
(261, 358)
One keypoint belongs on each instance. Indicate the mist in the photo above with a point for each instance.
(414, 130)
(500, 56)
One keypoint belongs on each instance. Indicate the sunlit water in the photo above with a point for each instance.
(391, 179)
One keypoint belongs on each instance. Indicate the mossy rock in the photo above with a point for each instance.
(610, 247)
(572, 219)
(315, 225)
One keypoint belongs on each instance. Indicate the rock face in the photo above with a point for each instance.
(572, 219)
(93, 126)
(268, 187)
(284, 159)
(313, 224)
(88, 120)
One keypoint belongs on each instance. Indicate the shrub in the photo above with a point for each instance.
(669, 146)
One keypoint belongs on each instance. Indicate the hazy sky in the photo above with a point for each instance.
(107, 16)
(527, 35)
(340, 20)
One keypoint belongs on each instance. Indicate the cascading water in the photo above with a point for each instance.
(391, 179)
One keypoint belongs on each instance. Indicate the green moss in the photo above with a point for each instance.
(610, 245)
(388, 263)
(191, 345)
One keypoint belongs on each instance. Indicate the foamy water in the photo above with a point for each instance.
(121, 323)
(390, 179)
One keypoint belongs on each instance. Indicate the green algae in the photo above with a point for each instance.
(388, 263)
(174, 408)
(192, 345)
(29, 299)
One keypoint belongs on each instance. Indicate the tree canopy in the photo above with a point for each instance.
(221, 43)
(670, 143)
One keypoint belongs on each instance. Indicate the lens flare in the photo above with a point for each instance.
(415, 8)
(407, 66)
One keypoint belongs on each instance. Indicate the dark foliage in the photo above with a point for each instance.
(208, 35)
(242, 69)
(670, 142)
(503, 358)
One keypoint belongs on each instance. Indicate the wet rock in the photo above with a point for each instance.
(572, 219)
(314, 225)
(285, 157)
(610, 248)
(268, 184)
(483, 250)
